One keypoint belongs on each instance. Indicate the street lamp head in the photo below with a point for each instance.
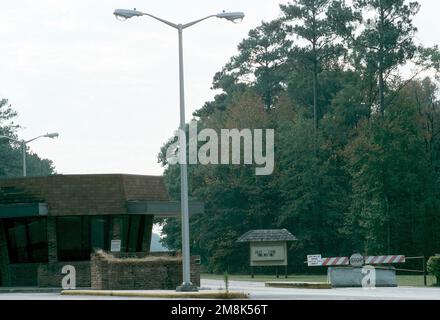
(124, 14)
(235, 17)
(52, 135)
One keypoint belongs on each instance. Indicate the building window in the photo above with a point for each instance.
(133, 229)
(78, 236)
(27, 240)
(73, 238)
(101, 232)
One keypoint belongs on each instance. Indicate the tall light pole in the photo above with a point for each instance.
(24, 143)
(124, 14)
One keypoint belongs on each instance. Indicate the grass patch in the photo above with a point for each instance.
(264, 278)
(402, 280)
(159, 259)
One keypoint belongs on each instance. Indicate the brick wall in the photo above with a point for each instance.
(130, 271)
(23, 275)
(52, 246)
(4, 257)
(107, 275)
(50, 276)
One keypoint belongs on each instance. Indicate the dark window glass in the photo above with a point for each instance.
(100, 233)
(73, 237)
(132, 243)
(141, 234)
(124, 226)
(27, 240)
(133, 233)
(37, 233)
(78, 236)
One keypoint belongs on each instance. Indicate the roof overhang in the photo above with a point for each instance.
(160, 209)
(267, 235)
(21, 210)
(163, 209)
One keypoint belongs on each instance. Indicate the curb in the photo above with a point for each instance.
(165, 295)
(299, 285)
(29, 290)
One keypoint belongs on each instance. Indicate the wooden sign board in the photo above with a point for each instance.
(268, 254)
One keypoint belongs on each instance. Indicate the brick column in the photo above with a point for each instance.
(146, 241)
(116, 232)
(4, 257)
(52, 240)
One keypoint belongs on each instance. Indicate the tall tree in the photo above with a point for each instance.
(391, 179)
(366, 180)
(259, 62)
(386, 40)
(236, 200)
(312, 23)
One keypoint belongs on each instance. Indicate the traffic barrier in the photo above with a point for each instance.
(335, 261)
(316, 260)
(384, 259)
(356, 260)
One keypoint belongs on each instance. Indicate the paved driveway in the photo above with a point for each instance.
(258, 291)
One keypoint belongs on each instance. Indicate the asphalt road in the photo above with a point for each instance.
(258, 291)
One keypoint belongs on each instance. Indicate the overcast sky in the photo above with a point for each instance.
(110, 88)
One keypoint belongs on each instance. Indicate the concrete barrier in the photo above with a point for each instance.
(298, 285)
(352, 277)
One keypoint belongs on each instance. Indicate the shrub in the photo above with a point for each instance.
(226, 278)
(434, 267)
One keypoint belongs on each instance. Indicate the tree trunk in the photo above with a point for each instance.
(315, 94)
(381, 90)
(315, 69)
(381, 66)
(388, 223)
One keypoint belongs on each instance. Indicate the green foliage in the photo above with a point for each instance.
(365, 179)
(386, 41)
(259, 62)
(387, 161)
(226, 280)
(434, 267)
(312, 22)
(11, 153)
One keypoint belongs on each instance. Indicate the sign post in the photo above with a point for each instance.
(357, 260)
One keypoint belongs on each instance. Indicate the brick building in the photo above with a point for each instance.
(49, 222)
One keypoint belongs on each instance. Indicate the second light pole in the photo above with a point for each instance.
(24, 143)
(124, 14)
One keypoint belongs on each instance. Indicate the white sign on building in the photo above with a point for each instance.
(115, 246)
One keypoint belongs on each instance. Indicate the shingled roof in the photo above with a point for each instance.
(269, 235)
(83, 194)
